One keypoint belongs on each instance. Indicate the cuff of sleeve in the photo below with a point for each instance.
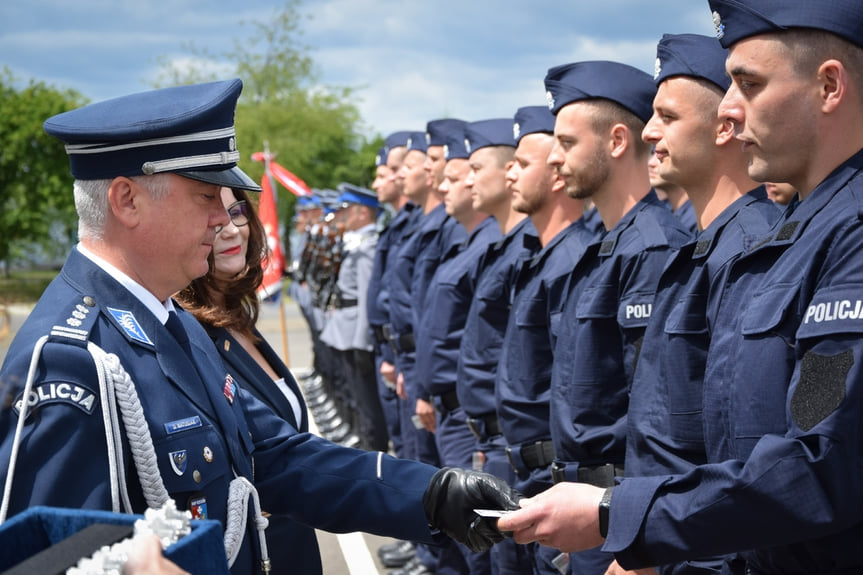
(630, 503)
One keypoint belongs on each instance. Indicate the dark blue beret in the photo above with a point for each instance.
(437, 130)
(396, 140)
(532, 120)
(186, 130)
(691, 55)
(381, 157)
(485, 133)
(417, 141)
(620, 83)
(736, 20)
(351, 194)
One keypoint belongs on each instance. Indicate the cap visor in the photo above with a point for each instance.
(232, 178)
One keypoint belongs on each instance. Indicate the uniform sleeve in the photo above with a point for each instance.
(338, 489)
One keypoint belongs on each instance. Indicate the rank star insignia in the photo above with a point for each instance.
(230, 388)
(718, 25)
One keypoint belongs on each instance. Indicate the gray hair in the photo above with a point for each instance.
(91, 201)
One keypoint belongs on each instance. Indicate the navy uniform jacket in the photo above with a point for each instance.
(523, 383)
(664, 423)
(292, 546)
(379, 284)
(63, 460)
(447, 301)
(783, 404)
(417, 257)
(606, 311)
(486, 321)
(348, 326)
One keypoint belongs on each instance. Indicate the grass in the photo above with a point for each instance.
(24, 286)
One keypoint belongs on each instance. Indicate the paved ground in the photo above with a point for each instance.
(348, 554)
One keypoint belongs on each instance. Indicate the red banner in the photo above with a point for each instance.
(271, 286)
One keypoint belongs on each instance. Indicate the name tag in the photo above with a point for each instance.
(182, 424)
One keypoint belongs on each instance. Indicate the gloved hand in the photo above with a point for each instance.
(454, 493)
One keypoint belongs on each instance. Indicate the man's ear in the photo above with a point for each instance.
(834, 84)
(124, 198)
(620, 140)
(724, 131)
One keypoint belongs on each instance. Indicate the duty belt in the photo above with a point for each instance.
(400, 343)
(379, 333)
(532, 455)
(598, 475)
(485, 427)
(448, 401)
(342, 303)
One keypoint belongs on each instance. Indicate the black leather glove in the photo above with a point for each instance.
(454, 493)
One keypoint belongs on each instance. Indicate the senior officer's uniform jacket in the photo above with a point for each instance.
(204, 428)
(289, 543)
(523, 383)
(783, 430)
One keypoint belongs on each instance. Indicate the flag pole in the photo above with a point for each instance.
(282, 319)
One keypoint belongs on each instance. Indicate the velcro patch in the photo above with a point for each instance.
(821, 389)
(62, 392)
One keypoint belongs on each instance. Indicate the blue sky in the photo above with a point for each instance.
(410, 61)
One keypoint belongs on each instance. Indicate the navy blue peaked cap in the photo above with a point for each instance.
(186, 130)
(735, 20)
(691, 55)
(396, 140)
(601, 79)
(417, 141)
(485, 133)
(351, 194)
(437, 130)
(532, 120)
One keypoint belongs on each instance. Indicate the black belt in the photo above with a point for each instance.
(485, 427)
(380, 336)
(448, 400)
(400, 343)
(341, 303)
(536, 455)
(598, 475)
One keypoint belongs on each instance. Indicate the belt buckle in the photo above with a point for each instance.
(558, 472)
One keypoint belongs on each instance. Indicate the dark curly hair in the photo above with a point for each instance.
(240, 310)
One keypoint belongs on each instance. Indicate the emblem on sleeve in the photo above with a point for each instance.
(68, 393)
(130, 325)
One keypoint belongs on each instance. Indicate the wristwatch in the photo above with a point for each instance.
(604, 511)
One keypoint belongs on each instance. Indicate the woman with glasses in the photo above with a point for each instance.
(225, 301)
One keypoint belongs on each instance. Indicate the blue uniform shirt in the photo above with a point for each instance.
(523, 380)
(783, 398)
(664, 420)
(486, 321)
(606, 311)
(447, 301)
(379, 286)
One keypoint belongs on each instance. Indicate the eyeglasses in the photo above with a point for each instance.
(239, 213)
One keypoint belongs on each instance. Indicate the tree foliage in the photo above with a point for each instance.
(37, 212)
(313, 129)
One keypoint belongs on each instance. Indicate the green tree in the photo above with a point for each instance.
(36, 204)
(313, 129)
